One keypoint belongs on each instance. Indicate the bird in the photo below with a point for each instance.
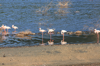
(62, 32)
(15, 27)
(63, 42)
(3, 27)
(50, 31)
(7, 27)
(96, 31)
(42, 30)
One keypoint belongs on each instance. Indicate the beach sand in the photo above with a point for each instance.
(56, 55)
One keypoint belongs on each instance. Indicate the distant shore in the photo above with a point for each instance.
(56, 55)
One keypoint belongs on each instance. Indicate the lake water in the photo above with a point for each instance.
(81, 15)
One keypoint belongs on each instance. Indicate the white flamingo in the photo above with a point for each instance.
(62, 32)
(97, 32)
(41, 30)
(4, 27)
(7, 27)
(50, 32)
(15, 27)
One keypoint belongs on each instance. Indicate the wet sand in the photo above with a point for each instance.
(56, 55)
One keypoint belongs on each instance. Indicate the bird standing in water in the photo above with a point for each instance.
(50, 31)
(62, 32)
(97, 32)
(41, 30)
(15, 27)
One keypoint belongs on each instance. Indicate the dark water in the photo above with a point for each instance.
(78, 15)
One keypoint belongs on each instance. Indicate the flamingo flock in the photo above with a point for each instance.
(50, 32)
(4, 27)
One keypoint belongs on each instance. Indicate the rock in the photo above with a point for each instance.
(33, 34)
(58, 32)
(78, 32)
(3, 64)
(39, 33)
(4, 55)
(27, 32)
(70, 33)
(20, 35)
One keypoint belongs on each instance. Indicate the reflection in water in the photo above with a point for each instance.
(50, 42)
(44, 9)
(63, 42)
(63, 4)
(3, 36)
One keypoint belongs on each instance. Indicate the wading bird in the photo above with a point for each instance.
(15, 27)
(97, 32)
(41, 30)
(50, 31)
(7, 27)
(62, 32)
(3, 27)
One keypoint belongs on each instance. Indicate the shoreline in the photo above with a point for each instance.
(48, 45)
(55, 55)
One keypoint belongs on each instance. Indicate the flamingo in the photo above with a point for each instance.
(15, 27)
(62, 32)
(7, 27)
(41, 30)
(4, 27)
(97, 32)
(50, 32)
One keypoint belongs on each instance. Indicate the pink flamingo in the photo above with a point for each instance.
(4, 28)
(7, 27)
(15, 27)
(62, 32)
(50, 31)
(41, 30)
(97, 32)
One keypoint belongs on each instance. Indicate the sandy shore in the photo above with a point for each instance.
(56, 55)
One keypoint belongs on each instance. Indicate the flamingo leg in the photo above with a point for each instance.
(97, 37)
(63, 36)
(4, 30)
(15, 30)
(42, 37)
(7, 30)
(50, 36)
